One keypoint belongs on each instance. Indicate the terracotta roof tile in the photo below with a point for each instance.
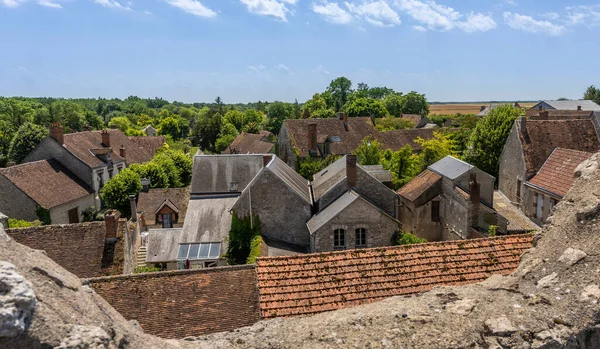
(150, 201)
(535, 114)
(416, 187)
(556, 175)
(250, 143)
(47, 182)
(307, 284)
(149, 144)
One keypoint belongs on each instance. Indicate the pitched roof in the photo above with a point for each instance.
(415, 119)
(149, 144)
(572, 105)
(185, 303)
(207, 220)
(251, 143)
(314, 283)
(556, 175)
(552, 114)
(418, 185)
(47, 182)
(398, 139)
(216, 173)
(327, 178)
(79, 248)
(544, 136)
(81, 143)
(451, 167)
(149, 201)
(289, 177)
(378, 172)
(517, 221)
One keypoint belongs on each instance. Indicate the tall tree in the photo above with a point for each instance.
(25, 140)
(415, 103)
(593, 94)
(277, 112)
(70, 114)
(339, 90)
(394, 103)
(366, 107)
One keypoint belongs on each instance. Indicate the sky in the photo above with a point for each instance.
(250, 50)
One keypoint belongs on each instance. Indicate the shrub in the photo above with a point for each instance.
(19, 223)
(402, 238)
(242, 234)
(140, 270)
(255, 249)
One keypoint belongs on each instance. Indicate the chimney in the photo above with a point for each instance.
(312, 139)
(345, 118)
(579, 107)
(267, 159)
(544, 115)
(133, 206)
(122, 152)
(111, 220)
(523, 129)
(540, 107)
(475, 193)
(106, 138)
(482, 108)
(340, 115)
(56, 132)
(351, 170)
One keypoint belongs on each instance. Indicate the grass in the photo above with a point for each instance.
(463, 108)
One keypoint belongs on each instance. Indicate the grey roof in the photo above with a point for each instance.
(572, 105)
(327, 178)
(379, 173)
(331, 211)
(451, 167)
(215, 173)
(428, 126)
(290, 177)
(207, 220)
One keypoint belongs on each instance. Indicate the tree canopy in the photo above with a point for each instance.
(592, 93)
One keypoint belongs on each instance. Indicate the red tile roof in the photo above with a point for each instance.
(251, 143)
(46, 182)
(535, 114)
(556, 176)
(418, 185)
(149, 144)
(307, 284)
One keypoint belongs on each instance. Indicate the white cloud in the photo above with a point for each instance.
(477, 22)
(377, 13)
(419, 28)
(275, 8)
(332, 12)
(510, 2)
(112, 4)
(434, 16)
(587, 15)
(551, 15)
(45, 3)
(12, 3)
(321, 70)
(283, 67)
(193, 7)
(257, 68)
(528, 24)
(49, 3)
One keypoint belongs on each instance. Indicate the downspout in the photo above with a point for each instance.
(250, 202)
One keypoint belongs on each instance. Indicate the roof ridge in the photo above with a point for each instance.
(160, 274)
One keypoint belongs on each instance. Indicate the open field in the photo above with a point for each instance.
(464, 108)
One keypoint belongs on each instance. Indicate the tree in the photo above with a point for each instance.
(116, 191)
(316, 107)
(366, 107)
(183, 163)
(122, 123)
(489, 136)
(394, 103)
(277, 112)
(308, 166)
(435, 149)
(70, 114)
(369, 152)
(403, 165)
(227, 135)
(170, 126)
(389, 124)
(592, 94)
(339, 90)
(26, 139)
(402, 238)
(414, 103)
(206, 130)
(235, 118)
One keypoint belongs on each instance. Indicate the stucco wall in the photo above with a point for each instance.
(418, 221)
(285, 149)
(283, 214)
(455, 213)
(14, 203)
(60, 214)
(512, 166)
(359, 214)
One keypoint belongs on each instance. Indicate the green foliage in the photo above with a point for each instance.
(369, 152)
(206, 130)
(277, 112)
(492, 230)
(394, 102)
(43, 215)
(70, 114)
(464, 125)
(140, 270)
(116, 191)
(227, 135)
(414, 103)
(19, 223)
(308, 166)
(255, 249)
(26, 139)
(403, 165)
(170, 126)
(401, 238)
(235, 118)
(120, 122)
(366, 107)
(439, 120)
(338, 92)
(488, 138)
(183, 164)
(389, 124)
(435, 149)
(592, 93)
(90, 214)
(243, 232)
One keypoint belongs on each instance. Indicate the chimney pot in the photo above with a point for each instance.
(106, 138)
(145, 184)
(351, 171)
(56, 132)
(312, 138)
(122, 152)
(579, 107)
(111, 220)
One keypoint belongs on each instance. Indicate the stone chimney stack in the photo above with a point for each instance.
(106, 138)
(345, 118)
(579, 107)
(56, 132)
(111, 220)
(312, 139)
(351, 171)
(544, 115)
(482, 108)
(133, 206)
(540, 108)
(475, 193)
(122, 152)
(145, 182)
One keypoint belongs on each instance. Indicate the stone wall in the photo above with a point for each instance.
(14, 203)
(455, 212)
(285, 149)
(512, 166)
(417, 220)
(485, 181)
(60, 214)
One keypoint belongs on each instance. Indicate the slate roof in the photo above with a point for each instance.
(149, 201)
(418, 185)
(185, 303)
(544, 136)
(327, 178)
(207, 220)
(378, 172)
(251, 143)
(215, 173)
(149, 144)
(517, 221)
(572, 105)
(47, 182)
(451, 167)
(308, 284)
(556, 175)
(534, 114)
(80, 144)
(289, 177)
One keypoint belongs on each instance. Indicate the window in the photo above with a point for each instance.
(435, 211)
(335, 139)
(199, 251)
(233, 186)
(339, 239)
(73, 215)
(166, 221)
(361, 237)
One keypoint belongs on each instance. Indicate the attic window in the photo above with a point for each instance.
(233, 186)
(336, 139)
(199, 251)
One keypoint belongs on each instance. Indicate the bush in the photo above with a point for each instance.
(90, 214)
(308, 166)
(19, 223)
(140, 270)
(402, 238)
(243, 232)
(117, 190)
(255, 249)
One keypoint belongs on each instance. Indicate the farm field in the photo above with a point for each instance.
(464, 108)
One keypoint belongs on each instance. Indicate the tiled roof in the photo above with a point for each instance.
(545, 136)
(416, 187)
(556, 175)
(517, 221)
(415, 119)
(80, 144)
(535, 114)
(572, 105)
(150, 201)
(216, 173)
(398, 139)
(185, 303)
(47, 182)
(307, 284)
(251, 143)
(149, 144)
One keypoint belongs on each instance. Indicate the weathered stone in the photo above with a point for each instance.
(591, 292)
(17, 301)
(500, 326)
(589, 212)
(58, 279)
(572, 256)
(85, 337)
(548, 280)
(462, 307)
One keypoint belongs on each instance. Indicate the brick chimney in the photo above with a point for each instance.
(544, 115)
(540, 107)
(312, 139)
(111, 220)
(267, 159)
(579, 107)
(351, 171)
(482, 108)
(56, 132)
(106, 138)
(345, 118)
(133, 206)
(122, 152)
(475, 193)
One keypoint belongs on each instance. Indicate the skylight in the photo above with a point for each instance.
(199, 251)
(336, 139)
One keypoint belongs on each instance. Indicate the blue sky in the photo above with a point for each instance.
(248, 50)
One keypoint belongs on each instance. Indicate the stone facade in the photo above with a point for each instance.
(15, 203)
(513, 170)
(60, 214)
(285, 149)
(418, 220)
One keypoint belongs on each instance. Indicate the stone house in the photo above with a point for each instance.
(531, 142)
(251, 143)
(580, 104)
(418, 121)
(163, 207)
(551, 182)
(447, 201)
(45, 185)
(150, 131)
(93, 156)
